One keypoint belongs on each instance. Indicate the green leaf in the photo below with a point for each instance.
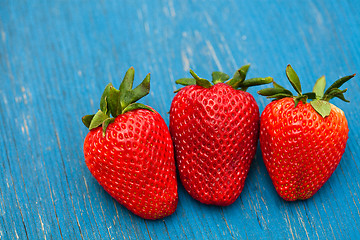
(277, 85)
(338, 83)
(87, 119)
(178, 90)
(256, 81)
(105, 124)
(232, 82)
(310, 95)
(200, 81)
(341, 97)
(140, 91)
(113, 102)
(127, 83)
(321, 107)
(335, 92)
(219, 77)
(293, 79)
(244, 69)
(98, 119)
(134, 106)
(239, 76)
(273, 91)
(319, 87)
(103, 100)
(279, 95)
(186, 81)
(235, 79)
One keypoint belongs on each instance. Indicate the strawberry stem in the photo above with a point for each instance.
(293, 78)
(115, 102)
(320, 100)
(237, 82)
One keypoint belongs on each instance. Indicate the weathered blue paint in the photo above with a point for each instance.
(57, 56)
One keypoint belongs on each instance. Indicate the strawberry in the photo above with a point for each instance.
(215, 132)
(302, 143)
(131, 154)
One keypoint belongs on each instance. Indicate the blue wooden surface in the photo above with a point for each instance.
(57, 56)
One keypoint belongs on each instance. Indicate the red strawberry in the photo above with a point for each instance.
(131, 154)
(302, 143)
(215, 132)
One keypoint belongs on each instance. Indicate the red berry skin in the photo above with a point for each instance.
(300, 148)
(215, 133)
(135, 163)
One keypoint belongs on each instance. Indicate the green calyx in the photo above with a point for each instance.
(320, 98)
(237, 81)
(118, 101)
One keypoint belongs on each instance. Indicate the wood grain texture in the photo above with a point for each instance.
(57, 56)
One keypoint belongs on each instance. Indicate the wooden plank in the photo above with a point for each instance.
(57, 56)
